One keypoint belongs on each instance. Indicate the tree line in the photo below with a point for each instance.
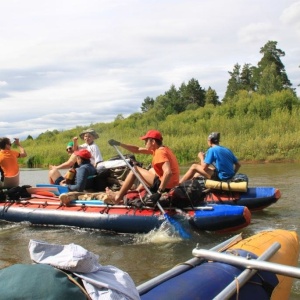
(258, 119)
(267, 77)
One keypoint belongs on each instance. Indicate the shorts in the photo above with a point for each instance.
(215, 176)
(156, 183)
(58, 180)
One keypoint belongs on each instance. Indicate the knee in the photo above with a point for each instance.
(194, 167)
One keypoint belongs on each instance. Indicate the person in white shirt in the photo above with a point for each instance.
(89, 135)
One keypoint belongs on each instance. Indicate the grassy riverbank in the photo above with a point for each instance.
(257, 129)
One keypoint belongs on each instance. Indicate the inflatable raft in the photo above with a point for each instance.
(43, 210)
(261, 267)
(255, 198)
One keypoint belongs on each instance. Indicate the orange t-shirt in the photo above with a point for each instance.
(161, 155)
(9, 162)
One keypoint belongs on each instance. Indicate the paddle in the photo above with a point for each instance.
(175, 224)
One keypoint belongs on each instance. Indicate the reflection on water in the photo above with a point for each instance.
(145, 256)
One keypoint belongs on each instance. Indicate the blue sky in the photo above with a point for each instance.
(68, 63)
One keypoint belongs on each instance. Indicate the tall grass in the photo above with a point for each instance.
(256, 128)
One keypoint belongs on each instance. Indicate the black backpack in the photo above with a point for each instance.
(188, 194)
(18, 192)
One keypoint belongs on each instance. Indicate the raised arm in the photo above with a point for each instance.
(67, 164)
(22, 150)
(130, 148)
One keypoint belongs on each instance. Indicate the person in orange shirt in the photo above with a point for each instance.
(9, 162)
(164, 174)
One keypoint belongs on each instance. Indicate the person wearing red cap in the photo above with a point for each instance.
(83, 175)
(164, 173)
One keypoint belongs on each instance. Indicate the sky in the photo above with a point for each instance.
(71, 63)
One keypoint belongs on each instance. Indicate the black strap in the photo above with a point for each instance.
(2, 174)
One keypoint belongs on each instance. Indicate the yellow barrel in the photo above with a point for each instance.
(286, 255)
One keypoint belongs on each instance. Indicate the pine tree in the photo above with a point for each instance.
(246, 78)
(147, 104)
(271, 55)
(211, 97)
(270, 81)
(234, 83)
(192, 94)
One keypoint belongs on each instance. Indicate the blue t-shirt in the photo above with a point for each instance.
(223, 159)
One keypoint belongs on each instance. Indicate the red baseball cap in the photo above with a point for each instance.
(153, 134)
(83, 153)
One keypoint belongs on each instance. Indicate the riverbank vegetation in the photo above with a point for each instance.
(258, 119)
(256, 127)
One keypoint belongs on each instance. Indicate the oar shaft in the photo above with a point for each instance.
(230, 290)
(248, 263)
(171, 221)
(141, 180)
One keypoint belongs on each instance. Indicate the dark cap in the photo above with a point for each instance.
(214, 137)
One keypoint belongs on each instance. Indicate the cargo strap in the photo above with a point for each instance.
(72, 279)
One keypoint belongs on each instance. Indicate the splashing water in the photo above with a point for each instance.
(164, 234)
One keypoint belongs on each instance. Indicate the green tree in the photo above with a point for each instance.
(234, 83)
(192, 94)
(246, 78)
(119, 117)
(147, 104)
(270, 81)
(211, 97)
(271, 55)
(170, 102)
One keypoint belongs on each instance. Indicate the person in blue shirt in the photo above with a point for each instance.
(84, 174)
(218, 163)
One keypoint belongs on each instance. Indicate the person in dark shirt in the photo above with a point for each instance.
(84, 174)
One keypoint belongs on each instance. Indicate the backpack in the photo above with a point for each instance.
(101, 180)
(18, 192)
(239, 177)
(38, 281)
(188, 194)
(135, 198)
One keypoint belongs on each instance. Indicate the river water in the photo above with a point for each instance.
(145, 256)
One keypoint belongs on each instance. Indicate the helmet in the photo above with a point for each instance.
(214, 137)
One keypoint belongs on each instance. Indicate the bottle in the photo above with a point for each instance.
(70, 176)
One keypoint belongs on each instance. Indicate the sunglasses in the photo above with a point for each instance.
(69, 149)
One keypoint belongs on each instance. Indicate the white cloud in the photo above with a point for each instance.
(291, 16)
(69, 63)
(255, 32)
